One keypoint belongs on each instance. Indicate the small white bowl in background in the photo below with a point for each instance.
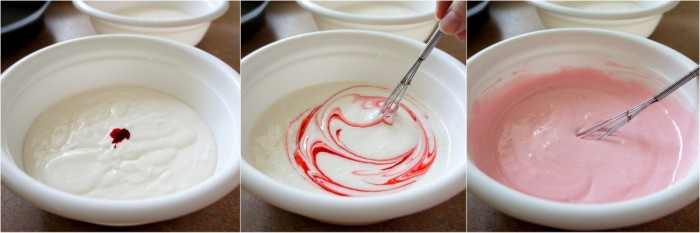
(185, 21)
(191, 75)
(412, 19)
(635, 17)
(289, 65)
(546, 51)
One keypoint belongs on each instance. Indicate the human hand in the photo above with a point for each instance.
(453, 18)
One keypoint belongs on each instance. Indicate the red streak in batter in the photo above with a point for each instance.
(310, 134)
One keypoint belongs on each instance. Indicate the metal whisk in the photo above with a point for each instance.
(394, 100)
(621, 119)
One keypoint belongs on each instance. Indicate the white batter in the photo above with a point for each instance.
(170, 147)
(354, 160)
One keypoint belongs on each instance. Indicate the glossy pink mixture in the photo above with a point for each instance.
(319, 132)
(524, 136)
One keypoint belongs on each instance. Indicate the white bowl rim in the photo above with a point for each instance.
(31, 17)
(251, 177)
(339, 15)
(218, 9)
(18, 181)
(487, 185)
(477, 8)
(255, 12)
(658, 8)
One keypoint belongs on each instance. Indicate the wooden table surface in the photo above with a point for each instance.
(285, 19)
(64, 22)
(678, 29)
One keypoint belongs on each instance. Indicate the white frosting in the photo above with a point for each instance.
(170, 149)
(373, 141)
(266, 150)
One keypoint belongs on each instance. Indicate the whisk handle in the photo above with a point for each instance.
(432, 42)
(674, 86)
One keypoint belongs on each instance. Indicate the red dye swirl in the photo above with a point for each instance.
(318, 131)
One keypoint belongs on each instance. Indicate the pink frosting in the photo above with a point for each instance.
(524, 136)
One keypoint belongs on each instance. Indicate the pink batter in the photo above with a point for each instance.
(524, 136)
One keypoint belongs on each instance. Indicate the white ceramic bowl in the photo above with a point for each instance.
(195, 77)
(288, 65)
(412, 19)
(635, 17)
(185, 21)
(547, 51)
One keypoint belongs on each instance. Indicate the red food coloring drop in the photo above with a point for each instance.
(118, 135)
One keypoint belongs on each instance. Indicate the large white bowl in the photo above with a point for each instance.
(635, 17)
(549, 50)
(185, 21)
(288, 65)
(412, 19)
(195, 77)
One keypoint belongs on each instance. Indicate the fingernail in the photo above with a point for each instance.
(449, 24)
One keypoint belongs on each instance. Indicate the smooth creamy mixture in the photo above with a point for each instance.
(327, 139)
(524, 136)
(120, 143)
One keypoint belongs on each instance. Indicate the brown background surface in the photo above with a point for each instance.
(64, 22)
(678, 29)
(285, 19)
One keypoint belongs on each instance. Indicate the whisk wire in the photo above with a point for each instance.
(625, 117)
(393, 102)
